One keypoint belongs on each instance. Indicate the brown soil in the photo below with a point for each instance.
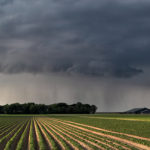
(4, 142)
(81, 143)
(94, 137)
(79, 137)
(7, 129)
(4, 128)
(70, 145)
(136, 145)
(29, 139)
(59, 144)
(16, 140)
(45, 136)
(26, 141)
(98, 141)
(44, 139)
(100, 129)
(35, 138)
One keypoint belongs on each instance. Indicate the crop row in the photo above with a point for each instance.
(78, 136)
(13, 132)
(45, 133)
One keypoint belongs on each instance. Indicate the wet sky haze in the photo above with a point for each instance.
(95, 52)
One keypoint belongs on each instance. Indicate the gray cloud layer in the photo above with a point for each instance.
(96, 38)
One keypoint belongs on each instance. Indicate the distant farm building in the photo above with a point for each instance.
(138, 111)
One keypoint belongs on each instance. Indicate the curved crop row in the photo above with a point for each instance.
(21, 140)
(133, 138)
(9, 133)
(31, 137)
(56, 142)
(75, 141)
(10, 142)
(95, 138)
(88, 129)
(80, 135)
(40, 140)
(44, 133)
(63, 142)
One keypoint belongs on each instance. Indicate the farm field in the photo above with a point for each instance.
(75, 132)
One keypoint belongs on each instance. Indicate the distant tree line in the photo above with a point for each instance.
(58, 108)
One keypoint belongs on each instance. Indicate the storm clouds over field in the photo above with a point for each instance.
(76, 50)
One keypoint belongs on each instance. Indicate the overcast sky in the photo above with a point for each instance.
(93, 51)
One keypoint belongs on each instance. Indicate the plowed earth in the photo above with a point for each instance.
(46, 133)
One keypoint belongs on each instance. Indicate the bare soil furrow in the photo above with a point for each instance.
(62, 147)
(44, 142)
(35, 137)
(136, 145)
(100, 129)
(9, 135)
(91, 136)
(81, 143)
(16, 140)
(36, 133)
(59, 144)
(78, 136)
(8, 129)
(5, 127)
(29, 139)
(25, 140)
(45, 136)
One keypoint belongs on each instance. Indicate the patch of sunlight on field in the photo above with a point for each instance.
(128, 119)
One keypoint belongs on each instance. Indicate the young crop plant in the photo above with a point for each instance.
(87, 136)
(70, 138)
(70, 132)
(117, 136)
(50, 140)
(21, 140)
(141, 128)
(7, 129)
(40, 139)
(31, 138)
(67, 139)
(97, 139)
(81, 138)
(10, 142)
(57, 137)
(6, 125)
(9, 133)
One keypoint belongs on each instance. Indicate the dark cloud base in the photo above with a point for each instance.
(94, 38)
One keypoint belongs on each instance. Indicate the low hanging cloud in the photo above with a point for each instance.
(92, 38)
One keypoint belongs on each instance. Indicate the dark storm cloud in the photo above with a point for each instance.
(96, 38)
(5, 2)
